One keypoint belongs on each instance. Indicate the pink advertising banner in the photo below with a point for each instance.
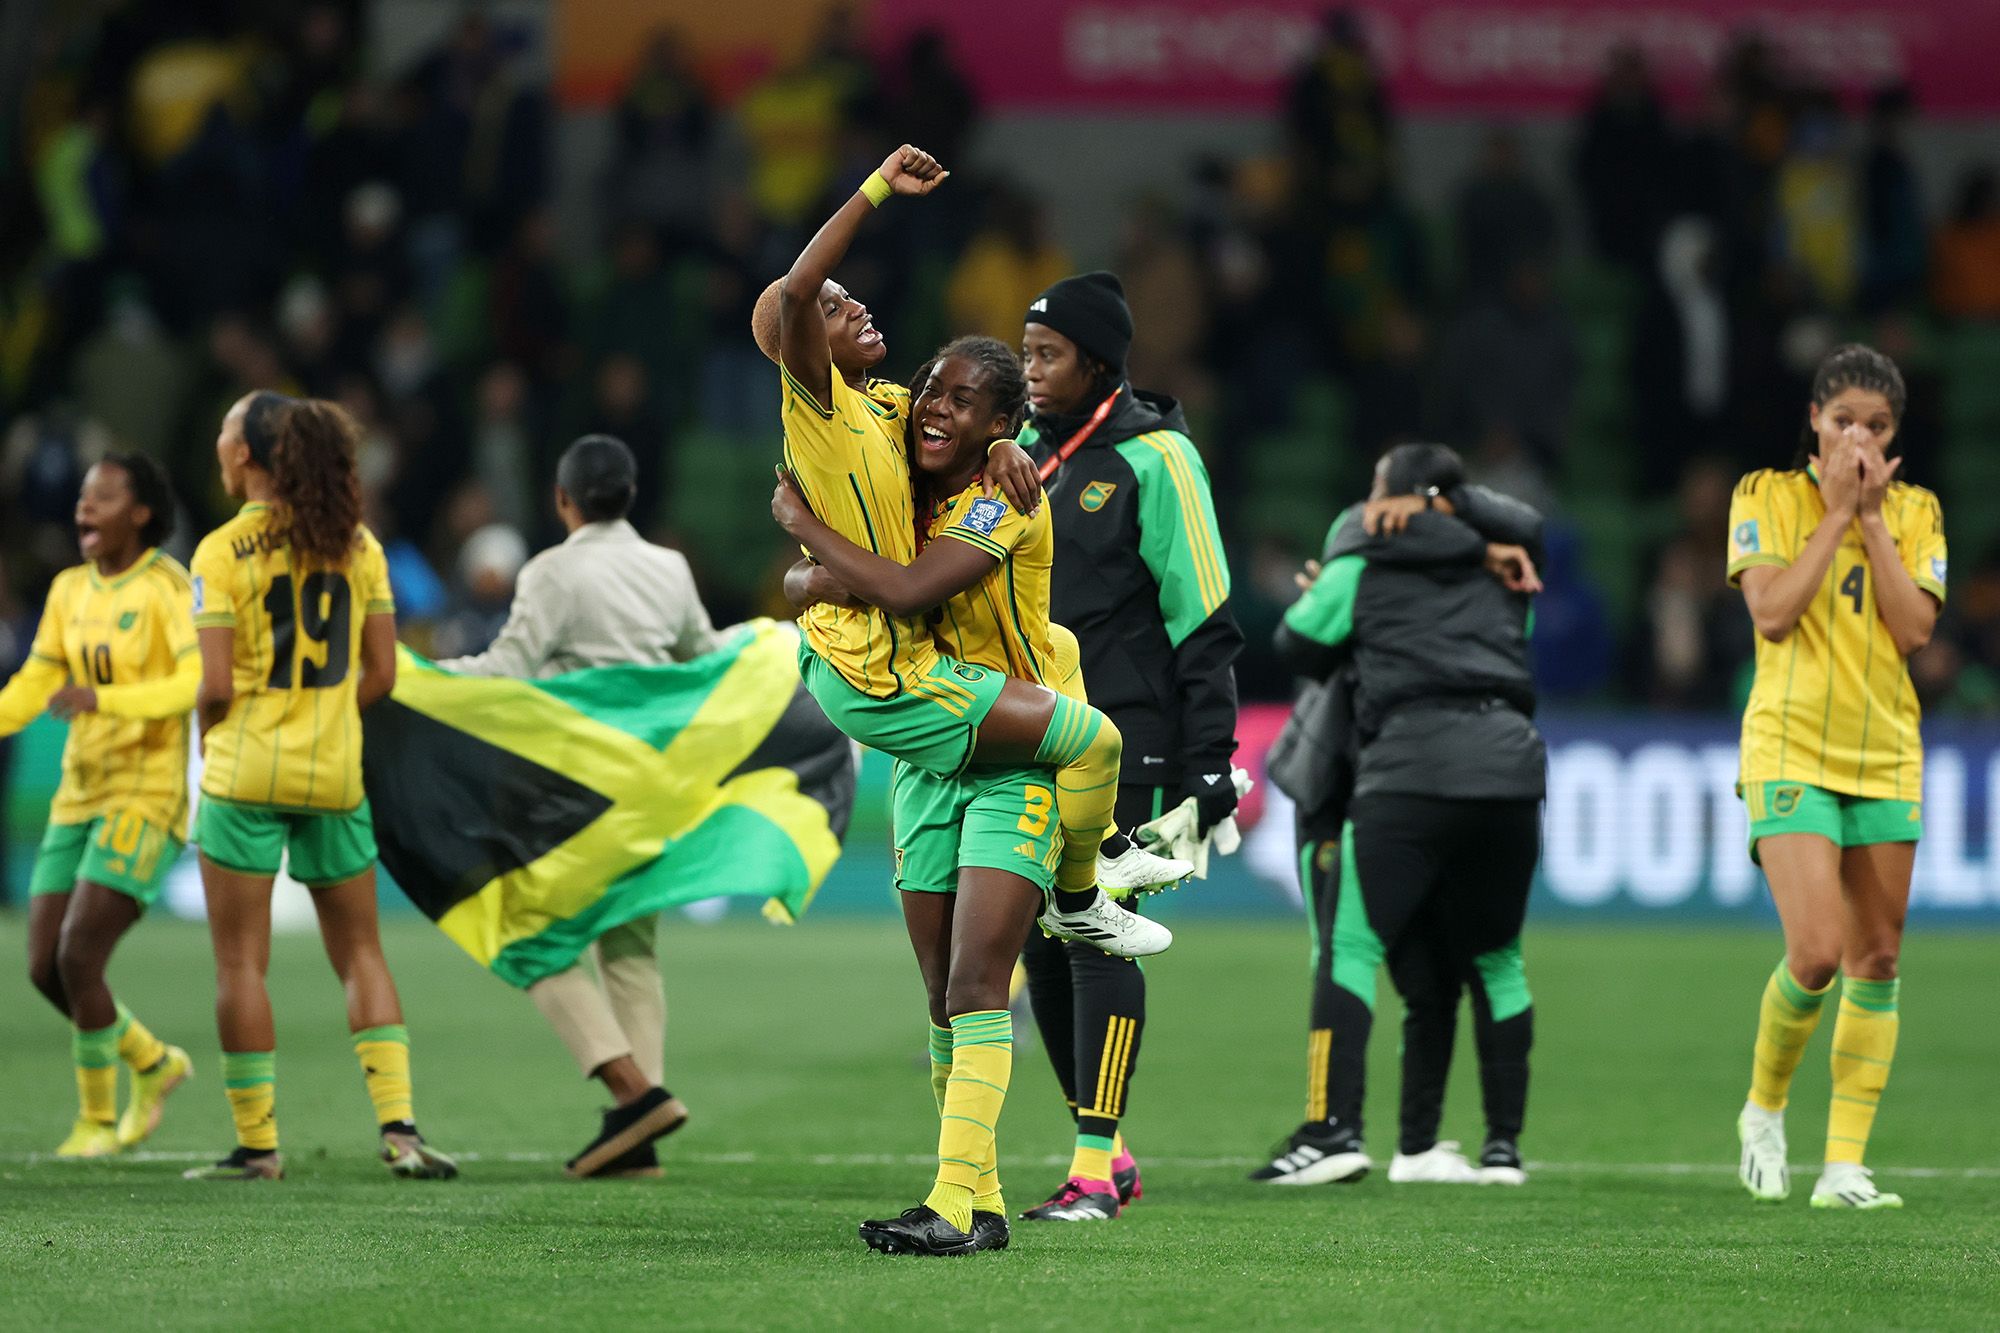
(1533, 56)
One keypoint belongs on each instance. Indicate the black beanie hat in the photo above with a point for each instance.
(1090, 311)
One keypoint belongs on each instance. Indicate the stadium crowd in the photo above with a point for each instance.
(212, 198)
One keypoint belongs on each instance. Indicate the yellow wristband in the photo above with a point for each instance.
(991, 445)
(876, 189)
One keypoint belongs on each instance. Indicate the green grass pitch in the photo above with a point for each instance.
(798, 1052)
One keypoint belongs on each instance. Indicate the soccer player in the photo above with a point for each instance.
(1443, 828)
(877, 673)
(298, 634)
(975, 851)
(115, 656)
(1843, 568)
(1141, 577)
(606, 596)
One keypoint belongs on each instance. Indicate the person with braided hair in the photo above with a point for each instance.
(298, 634)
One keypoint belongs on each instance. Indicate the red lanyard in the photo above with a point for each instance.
(1075, 442)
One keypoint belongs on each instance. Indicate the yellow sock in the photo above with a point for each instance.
(96, 1058)
(940, 1063)
(1085, 749)
(249, 1078)
(982, 1061)
(1319, 1049)
(384, 1053)
(1864, 1046)
(137, 1046)
(1091, 1159)
(1785, 1023)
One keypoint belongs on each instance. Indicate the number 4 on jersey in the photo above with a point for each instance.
(1855, 586)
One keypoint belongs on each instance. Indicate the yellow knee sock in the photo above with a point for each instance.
(250, 1080)
(384, 1053)
(982, 1061)
(137, 1046)
(1085, 749)
(96, 1058)
(1785, 1023)
(1864, 1046)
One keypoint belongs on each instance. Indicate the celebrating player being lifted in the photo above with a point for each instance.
(298, 634)
(115, 655)
(879, 674)
(1843, 569)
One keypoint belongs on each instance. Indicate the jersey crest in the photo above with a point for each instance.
(1095, 494)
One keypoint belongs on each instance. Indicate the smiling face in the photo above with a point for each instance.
(108, 518)
(954, 418)
(851, 340)
(1059, 375)
(1851, 407)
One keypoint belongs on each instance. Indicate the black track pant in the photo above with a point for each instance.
(1437, 890)
(1090, 1008)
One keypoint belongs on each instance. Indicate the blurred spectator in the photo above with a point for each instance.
(666, 132)
(1374, 255)
(792, 120)
(1571, 649)
(1507, 371)
(1893, 246)
(1389, 397)
(1336, 112)
(638, 312)
(1681, 354)
(737, 393)
(623, 407)
(503, 446)
(308, 328)
(936, 108)
(487, 567)
(1965, 272)
(530, 303)
(1504, 216)
(1819, 215)
(1008, 262)
(1694, 633)
(369, 272)
(1625, 162)
(421, 410)
(1163, 286)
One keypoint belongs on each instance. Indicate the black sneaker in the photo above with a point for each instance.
(243, 1164)
(642, 1163)
(920, 1230)
(654, 1115)
(1319, 1152)
(990, 1231)
(1500, 1163)
(1076, 1202)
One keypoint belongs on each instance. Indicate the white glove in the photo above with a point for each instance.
(1174, 833)
(1226, 837)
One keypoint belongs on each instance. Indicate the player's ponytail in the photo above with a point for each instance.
(318, 489)
(1853, 366)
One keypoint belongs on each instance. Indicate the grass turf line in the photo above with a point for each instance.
(791, 1045)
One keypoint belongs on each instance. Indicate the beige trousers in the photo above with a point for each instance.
(620, 1011)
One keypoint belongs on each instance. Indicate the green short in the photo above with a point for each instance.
(931, 724)
(989, 818)
(121, 851)
(327, 847)
(1844, 821)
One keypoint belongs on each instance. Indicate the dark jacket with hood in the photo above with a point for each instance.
(1439, 648)
(1141, 580)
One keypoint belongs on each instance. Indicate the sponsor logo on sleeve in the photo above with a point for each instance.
(984, 515)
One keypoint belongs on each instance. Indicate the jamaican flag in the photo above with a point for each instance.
(527, 818)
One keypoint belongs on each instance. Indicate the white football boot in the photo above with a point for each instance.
(1763, 1169)
(1443, 1164)
(1107, 927)
(1851, 1185)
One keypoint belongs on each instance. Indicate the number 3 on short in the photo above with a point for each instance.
(1038, 801)
(328, 626)
(1855, 586)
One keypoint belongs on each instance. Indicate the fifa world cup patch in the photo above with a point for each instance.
(197, 594)
(1745, 537)
(1937, 568)
(984, 515)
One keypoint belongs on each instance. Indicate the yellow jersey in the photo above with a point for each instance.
(851, 465)
(131, 638)
(1002, 621)
(293, 734)
(1833, 705)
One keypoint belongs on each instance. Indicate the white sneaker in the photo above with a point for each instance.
(1108, 928)
(1443, 1164)
(1763, 1170)
(1850, 1185)
(1137, 870)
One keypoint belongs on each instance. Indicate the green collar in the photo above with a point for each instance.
(139, 566)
